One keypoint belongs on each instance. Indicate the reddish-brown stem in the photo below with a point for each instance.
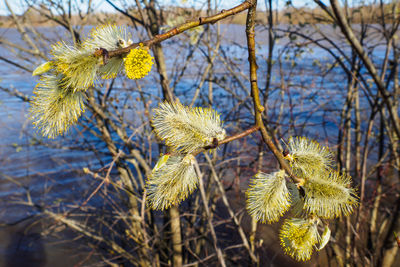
(258, 107)
(228, 139)
(181, 28)
(239, 135)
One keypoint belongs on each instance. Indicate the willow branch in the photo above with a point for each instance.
(209, 216)
(255, 94)
(230, 211)
(348, 32)
(90, 233)
(125, 13)
(229, 139)
(183, 27)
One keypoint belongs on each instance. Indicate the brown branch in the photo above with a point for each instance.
(186, 26)
(230, 211)
(258, 107)
(348, 32)
(125, 13)
(217, 143)
(16, 93)
(217, 248)
(15, 64)
(239, 135)
(176, 236)
(90, 233)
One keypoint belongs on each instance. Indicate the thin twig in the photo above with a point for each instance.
(231, 213)
(209, 219)
(258, 107)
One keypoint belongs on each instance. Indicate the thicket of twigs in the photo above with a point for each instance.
(336, 81)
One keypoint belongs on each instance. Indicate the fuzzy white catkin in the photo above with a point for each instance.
(109, 37)
(307, 156)
(172, 180)
(329, 194)
(187, 129)
(79, 66)
(268, 197)
(55, 108)
(299, 237)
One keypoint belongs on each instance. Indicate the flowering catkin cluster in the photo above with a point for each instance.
(59, 96)
(172, 180)
(138, 63)
(268, 197)
(323, 194)
(185, 130)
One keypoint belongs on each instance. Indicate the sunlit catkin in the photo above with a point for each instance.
(109, 37)
(187, 129)
(329, 194)
(138, 63)
(298, 237)
(268, 197)
(172, 180)
(307, 156)
(79, 66)
(55, 108)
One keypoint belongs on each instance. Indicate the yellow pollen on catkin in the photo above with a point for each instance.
(299, 237)
(268, 197)
(138, 63)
